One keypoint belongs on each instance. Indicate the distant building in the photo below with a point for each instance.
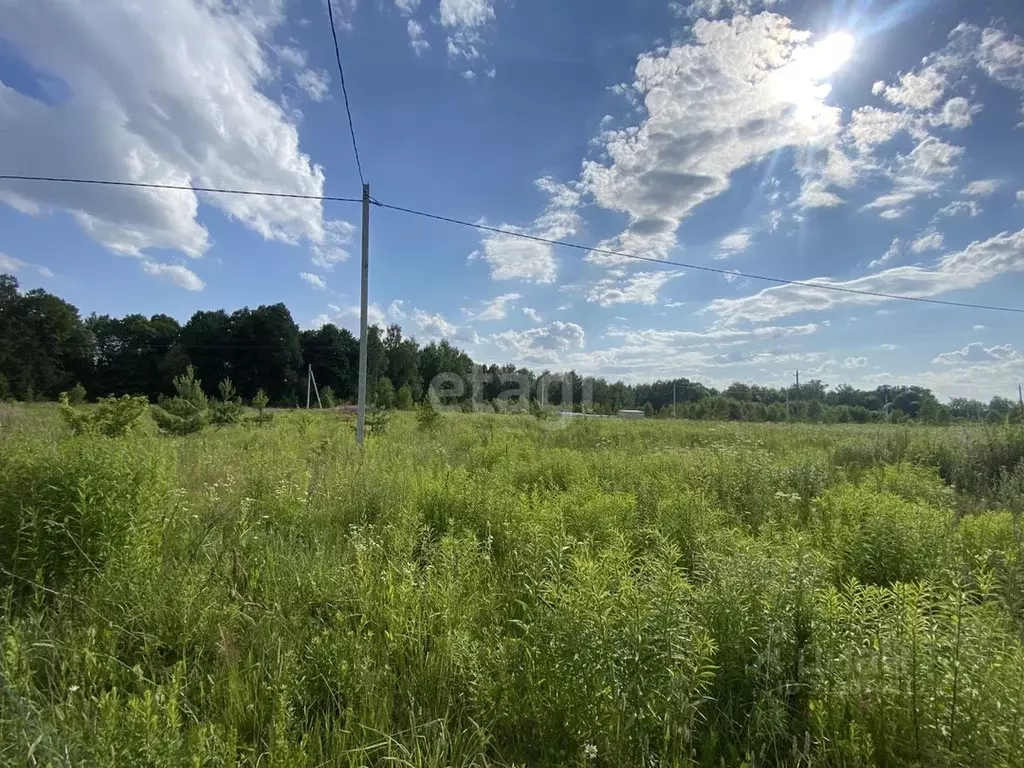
(630, 414)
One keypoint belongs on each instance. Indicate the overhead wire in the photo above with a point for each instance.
(525, 236)
(697, 267)
(177, 187)
(344, 91)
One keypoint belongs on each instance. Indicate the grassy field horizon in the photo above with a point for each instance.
(511, 591)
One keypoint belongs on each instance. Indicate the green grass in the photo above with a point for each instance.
(499, 592)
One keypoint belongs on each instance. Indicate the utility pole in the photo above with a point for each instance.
(309, 381)
(798, 394)
(1020, 396)
(673, 399)
(361, 413)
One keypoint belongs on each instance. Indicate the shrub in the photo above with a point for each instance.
(327, 397)
(377, 419)
(188, 411)
(260, 401)
(427, 416)
(384, 393)
(228, 409)
(64, 508)
(403, 398)
(77, 395)
(112, 416)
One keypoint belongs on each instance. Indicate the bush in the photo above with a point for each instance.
(403, 398)
(112, 416)
(188, 411)
(327, 397)
(77, 395)
(427, 416)
(65, 508)
(377, 419)
(228, 409)
(384, 393)
(260, 401)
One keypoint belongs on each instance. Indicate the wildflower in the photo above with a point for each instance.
(590, 751)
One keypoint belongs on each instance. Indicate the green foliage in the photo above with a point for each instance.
(188, 411)
(327, 397)
(427, 416)
(383, 393)
(110, 417)
(378, 419)
(66, 508)
(404, 399)
(228, 408)
(76, 395)
(260, 401)
(502, 593)
(5, 388)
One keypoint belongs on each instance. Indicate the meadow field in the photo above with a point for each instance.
(505, 590)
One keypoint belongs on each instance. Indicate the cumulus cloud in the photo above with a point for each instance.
(735, 243)
(332, 247)
(921, 172)
(513, 258)
(928, 241)
(713, 8)
(464, 20)
(407, 7)
(532, 314)
(855, 362)
(741, 90)
(314, 280)
(641, 288)
(495, 309)
(183, 277)
(978, 263)
(541, 345)
(148, 102)
(417, 41)
(395, 310)
(315, 82)
(976, 352)
(982, 187)
(434, 325)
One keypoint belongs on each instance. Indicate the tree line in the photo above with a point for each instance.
(46, 348)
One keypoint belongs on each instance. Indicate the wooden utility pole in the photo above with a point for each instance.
(1020, 396)
(361, 412)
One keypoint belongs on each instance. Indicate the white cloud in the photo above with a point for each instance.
(978, 327)
(395, 311)
(314, 280)
(1020, 195)
(982, 187)
(374, 316)
(495, 309)
(956, 113)
(976, 352)
(175, 273)
(815, 195)
(978, 263)
(331, 249)
(513, 258)
(741, 90)
(871, 126)
(893, 252)
(465, 19)
(918, 90)
(735, 243)
(922, 172)
(149, 102)
(466, 13)
(889, 347)
(641, 288)
(469, 75)
(855, 362)
(960, 207)
(532, 314)
(10, 264)
(928, 241)
(417, 41)
(891, 214)
(320, 321)
(541, 345)
(1001, 56)
(315, 82)
(713, 8)
(434, 325)
(407, 7)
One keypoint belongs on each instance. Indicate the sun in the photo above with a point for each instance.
(827, 57)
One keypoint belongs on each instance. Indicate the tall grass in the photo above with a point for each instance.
(495, 592)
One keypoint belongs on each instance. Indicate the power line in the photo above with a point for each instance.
(344, 91)
(178, 187)
(699, 267)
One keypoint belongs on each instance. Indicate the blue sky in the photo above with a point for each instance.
(874, 145)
